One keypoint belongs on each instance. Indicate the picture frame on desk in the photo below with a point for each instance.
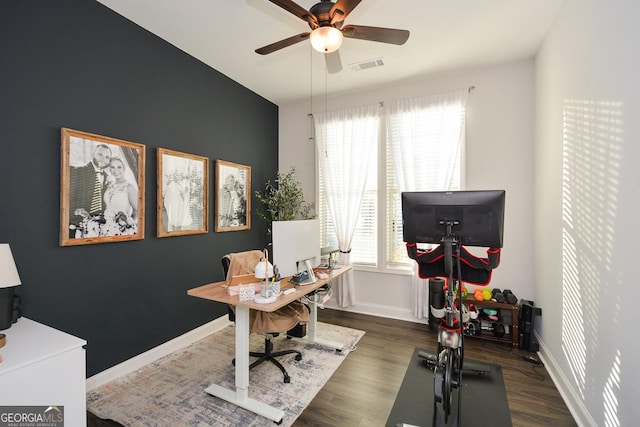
(182, 194)
(102, 189)
(233, 196)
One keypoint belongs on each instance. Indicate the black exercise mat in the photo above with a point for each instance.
(484, 399)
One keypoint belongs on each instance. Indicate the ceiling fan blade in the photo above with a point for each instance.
(282, 43)
(297, 10)
(376, 34)
(341, 9)
(334, 64)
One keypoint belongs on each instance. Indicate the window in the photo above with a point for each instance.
(364, 243)
(417, 147)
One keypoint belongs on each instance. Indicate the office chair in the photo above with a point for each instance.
(274, 323)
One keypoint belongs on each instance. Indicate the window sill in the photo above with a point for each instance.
(400, 271)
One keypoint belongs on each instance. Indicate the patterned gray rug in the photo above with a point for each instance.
(170, 391)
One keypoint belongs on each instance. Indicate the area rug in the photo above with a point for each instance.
(484, 399)
(170, 391)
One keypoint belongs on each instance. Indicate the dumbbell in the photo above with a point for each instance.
(510, 297)
(497, 295)
(490, 313)
(475, 328)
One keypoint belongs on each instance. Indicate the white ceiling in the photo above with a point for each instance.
(445, 35)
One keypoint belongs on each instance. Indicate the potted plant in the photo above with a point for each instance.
(284, 199)
(294, 231)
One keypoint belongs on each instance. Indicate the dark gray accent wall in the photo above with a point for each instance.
(77, 64)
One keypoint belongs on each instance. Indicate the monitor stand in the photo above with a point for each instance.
(306, 277)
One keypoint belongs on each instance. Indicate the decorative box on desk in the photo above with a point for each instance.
(43, 366)
(504, 329)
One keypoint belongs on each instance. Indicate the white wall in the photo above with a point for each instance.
(587, 132)
(499, 152)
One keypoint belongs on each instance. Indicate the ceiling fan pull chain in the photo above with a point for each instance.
(310, 115)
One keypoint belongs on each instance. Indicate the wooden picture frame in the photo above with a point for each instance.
(183, 194)
(233, 197)
(102, 189)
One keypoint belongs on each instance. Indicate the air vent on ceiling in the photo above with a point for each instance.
(365, 65)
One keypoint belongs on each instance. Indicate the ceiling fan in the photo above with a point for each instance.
(325, 20)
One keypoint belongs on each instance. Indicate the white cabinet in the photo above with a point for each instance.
(44, 367)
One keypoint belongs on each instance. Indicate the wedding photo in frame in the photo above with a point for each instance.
(183, 193)
(233, 197)
(101, 189)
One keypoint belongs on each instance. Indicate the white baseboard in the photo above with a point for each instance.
(155, 353)
(575, 405)
(391, 312)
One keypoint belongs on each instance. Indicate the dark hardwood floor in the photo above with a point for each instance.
(362, 391)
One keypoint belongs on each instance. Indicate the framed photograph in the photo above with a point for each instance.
(101, 189)
(233, 196)
(183, 193)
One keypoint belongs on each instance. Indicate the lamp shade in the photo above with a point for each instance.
(8, 273)
(263, 270)
(326, 39)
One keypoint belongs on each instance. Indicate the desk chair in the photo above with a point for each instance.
(272, 324)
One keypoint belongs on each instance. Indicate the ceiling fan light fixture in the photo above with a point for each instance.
(326, 39)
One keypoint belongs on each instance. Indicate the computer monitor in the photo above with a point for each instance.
(296, 246)
(476, 217)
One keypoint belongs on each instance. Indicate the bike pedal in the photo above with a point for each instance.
(431, 364)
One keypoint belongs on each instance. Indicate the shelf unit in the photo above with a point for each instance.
(512, 336)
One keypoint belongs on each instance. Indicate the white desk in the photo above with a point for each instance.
(44, 367)
(218, 292)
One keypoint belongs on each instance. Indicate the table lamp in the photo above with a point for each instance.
(264, 270)
(9, 279)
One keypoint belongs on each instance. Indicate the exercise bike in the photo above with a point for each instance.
(447, 369)
(449, 219)
(448, 363)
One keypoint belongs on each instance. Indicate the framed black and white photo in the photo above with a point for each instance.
(101, 189)
(233, 196)
(183, 194)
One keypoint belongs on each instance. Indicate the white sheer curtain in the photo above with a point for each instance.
(426, 137)
(346, 141)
